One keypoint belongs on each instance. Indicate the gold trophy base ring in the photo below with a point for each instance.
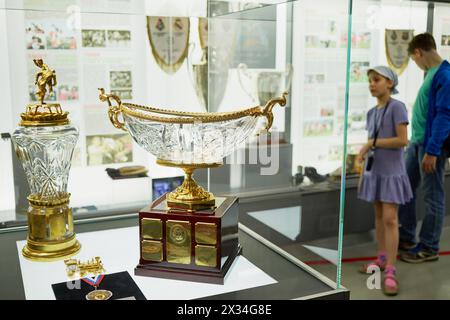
(51, 251)
(190, 195)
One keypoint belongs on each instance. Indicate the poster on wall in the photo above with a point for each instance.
(397, 48)
(169, 40)
(109, 149)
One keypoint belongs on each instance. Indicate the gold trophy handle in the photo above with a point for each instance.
(113, 111)
(267, 111)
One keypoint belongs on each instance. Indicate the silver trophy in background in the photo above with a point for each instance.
(261, 85)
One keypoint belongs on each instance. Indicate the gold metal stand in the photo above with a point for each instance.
(190, 195)
(50, 230)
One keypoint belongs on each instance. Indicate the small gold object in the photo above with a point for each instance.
(152, 250)
(151, 229)
(178, 234)
(132, 170)
(99, 295)
(93, 266)
(206, 233)
(205, 256)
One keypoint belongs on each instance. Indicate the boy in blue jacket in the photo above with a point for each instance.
(425, 157)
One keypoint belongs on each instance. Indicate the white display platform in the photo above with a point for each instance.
(119, 251)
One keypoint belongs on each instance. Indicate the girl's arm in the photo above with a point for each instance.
(400, 141)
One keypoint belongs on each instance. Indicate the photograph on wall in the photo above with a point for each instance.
(358, 71)
(119, 38)
(67, 92)
(59, 36)
(356, 123)
(121, 84)
(35, 36)
(445, 40)
(321, 42)
(360, 40)
(123, 94)
(120, 79)
(108, 149)
(318, 128)
(314, 78)
(326, 111)
(93, 38)
(332, 27)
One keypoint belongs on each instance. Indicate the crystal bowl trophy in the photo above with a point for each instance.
(188, 234)
(44, 143)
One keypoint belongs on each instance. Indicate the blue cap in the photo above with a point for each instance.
(387, 73)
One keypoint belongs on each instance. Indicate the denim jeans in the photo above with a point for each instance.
(434, 199)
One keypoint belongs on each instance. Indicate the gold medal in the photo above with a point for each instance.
(99, 295)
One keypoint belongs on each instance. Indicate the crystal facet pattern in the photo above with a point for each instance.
(46, 154)
(190, 143)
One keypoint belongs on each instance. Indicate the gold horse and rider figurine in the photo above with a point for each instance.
(46, 77)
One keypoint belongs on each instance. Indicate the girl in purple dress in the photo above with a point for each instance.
(384, 181)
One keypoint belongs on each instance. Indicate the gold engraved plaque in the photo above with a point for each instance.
(205, 256)
(206, 233)
(151, 229)
(152, 250)
(178, 234)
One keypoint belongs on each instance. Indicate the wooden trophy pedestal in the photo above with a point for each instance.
(195, 246)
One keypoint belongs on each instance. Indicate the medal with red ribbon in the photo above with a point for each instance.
(97, 294)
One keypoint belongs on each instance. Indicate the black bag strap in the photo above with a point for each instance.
(377, 131)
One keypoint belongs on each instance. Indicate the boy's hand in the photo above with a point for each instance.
(429, 163)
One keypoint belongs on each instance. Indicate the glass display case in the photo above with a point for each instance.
(294, 184)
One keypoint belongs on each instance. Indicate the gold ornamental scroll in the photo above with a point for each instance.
(396, 42)
(169, 40)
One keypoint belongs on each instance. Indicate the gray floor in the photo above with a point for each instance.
(429, 280)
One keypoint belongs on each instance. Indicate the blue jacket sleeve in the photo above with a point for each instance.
(440, 127)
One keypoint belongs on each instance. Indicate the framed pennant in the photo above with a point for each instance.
(396, 42)
(169, 40)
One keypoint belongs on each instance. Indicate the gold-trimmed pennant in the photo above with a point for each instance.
(169, 40)
(396, 42)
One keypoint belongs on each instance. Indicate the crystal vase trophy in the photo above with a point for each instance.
(188, 234)
(44, 143)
